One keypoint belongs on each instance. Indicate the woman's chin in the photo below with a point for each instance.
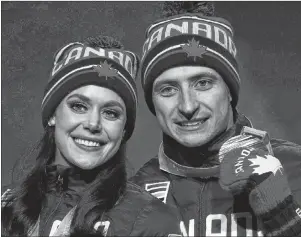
(86, 165)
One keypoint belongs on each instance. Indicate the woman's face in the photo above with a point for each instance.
(89, 127)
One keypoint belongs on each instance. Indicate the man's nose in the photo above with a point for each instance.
(188, 104)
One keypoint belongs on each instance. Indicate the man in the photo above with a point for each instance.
(224, 177)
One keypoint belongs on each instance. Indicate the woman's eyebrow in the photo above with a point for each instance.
(113, 103)
(79, 96)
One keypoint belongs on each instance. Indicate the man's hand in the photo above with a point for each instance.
(247, 166)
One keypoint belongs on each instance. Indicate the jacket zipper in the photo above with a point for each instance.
(202, 211)
(59, 188)
(53, 211)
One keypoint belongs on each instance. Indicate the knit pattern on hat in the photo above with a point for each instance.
(190, 39)
(78, 64)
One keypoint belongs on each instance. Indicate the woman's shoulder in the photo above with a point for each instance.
(139, 213)
(7, 192)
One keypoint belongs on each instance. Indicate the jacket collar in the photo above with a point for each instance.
(62, 178)
(201, 162)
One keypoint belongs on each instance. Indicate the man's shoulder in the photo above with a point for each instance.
(136, 197)
(150, 172)
(137, 194)
(151, 166)
(289, 154)
(140, 210)
(286, 150)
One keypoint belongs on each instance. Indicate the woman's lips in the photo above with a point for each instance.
(88, 145)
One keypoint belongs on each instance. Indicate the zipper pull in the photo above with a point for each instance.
(59, 183)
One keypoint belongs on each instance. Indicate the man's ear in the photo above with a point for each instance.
(51, 121)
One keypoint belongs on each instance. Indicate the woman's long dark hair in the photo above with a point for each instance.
(23, 208)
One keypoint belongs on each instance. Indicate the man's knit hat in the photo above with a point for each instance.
(79, 64)
(191, 37)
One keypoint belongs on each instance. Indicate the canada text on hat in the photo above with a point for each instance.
(78, 58)
(125, 58)
(190, 39)
(217, 31)
(77, 65)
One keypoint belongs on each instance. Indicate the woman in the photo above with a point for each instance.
(78, 185)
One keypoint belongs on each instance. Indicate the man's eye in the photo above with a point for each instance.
(203, 84)
(168, 91)
(111, 114)
(79, 107)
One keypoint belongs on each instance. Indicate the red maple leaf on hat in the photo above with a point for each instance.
(194, 49)
(105, 69)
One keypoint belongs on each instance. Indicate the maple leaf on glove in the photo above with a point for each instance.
(264, 165)
(247, 166)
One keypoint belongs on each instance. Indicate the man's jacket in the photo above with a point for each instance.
(203, 206)
(137, 213)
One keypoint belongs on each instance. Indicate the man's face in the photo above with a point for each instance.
(192, 104)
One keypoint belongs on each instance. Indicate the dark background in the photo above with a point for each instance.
(268, 40)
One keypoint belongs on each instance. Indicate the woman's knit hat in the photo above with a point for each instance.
(190, 35)
(99, 61)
